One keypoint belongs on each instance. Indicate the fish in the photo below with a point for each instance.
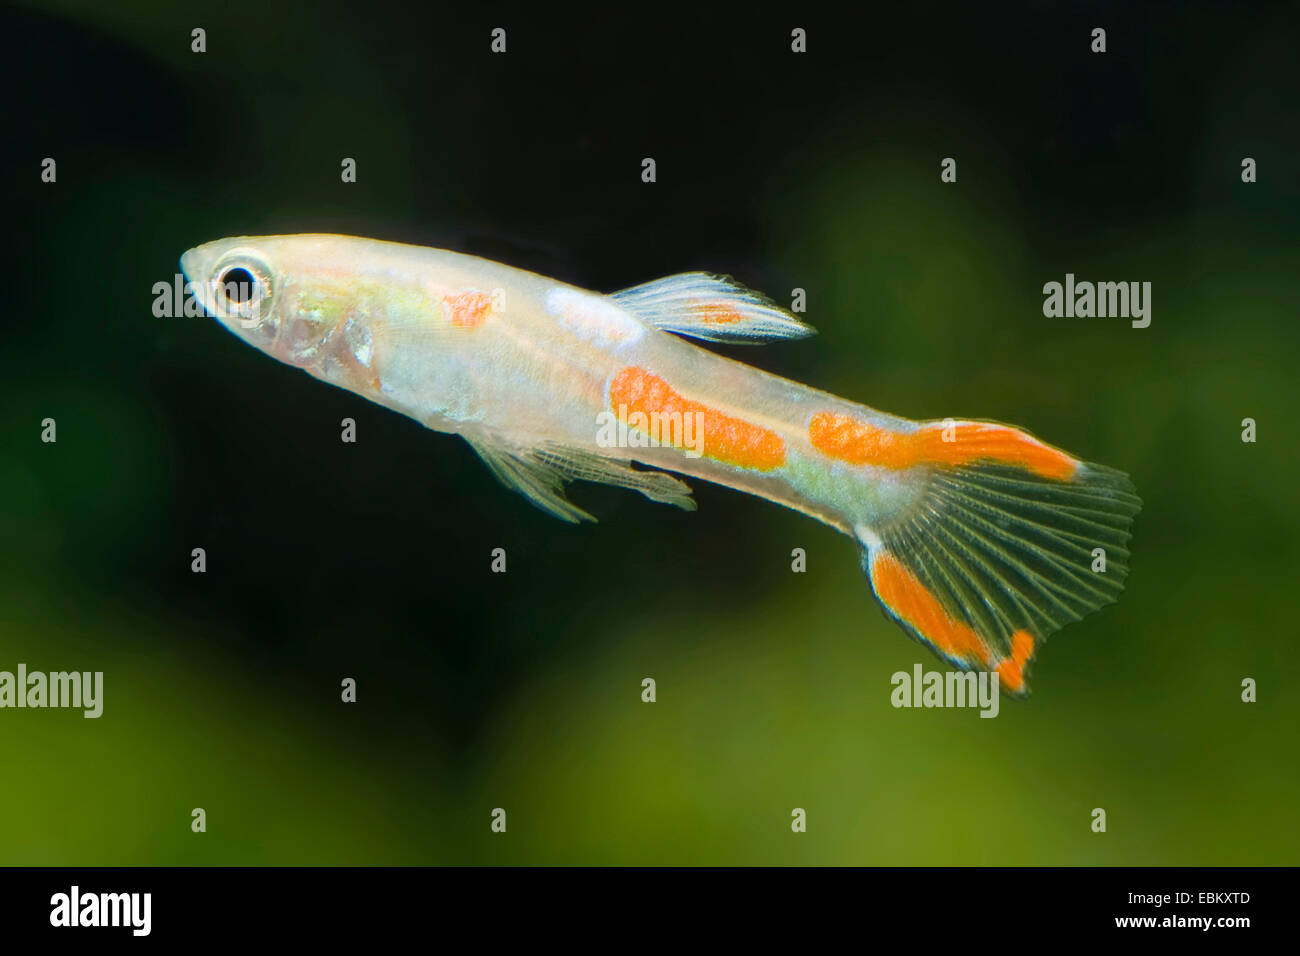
(977, 538)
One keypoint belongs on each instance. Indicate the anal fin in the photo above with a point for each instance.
(540, 474)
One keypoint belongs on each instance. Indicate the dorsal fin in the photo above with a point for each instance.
(714, 308)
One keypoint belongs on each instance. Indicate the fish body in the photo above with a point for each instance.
(977, 537)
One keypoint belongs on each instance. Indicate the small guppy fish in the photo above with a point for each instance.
(978, 538)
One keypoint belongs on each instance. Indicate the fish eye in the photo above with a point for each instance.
(241, 287)
(237, 284)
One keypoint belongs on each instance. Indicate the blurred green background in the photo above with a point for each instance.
(522, 690)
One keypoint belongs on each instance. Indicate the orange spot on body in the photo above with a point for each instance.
(726, 438)
(907, 597)
(860, 443)
(469, 309)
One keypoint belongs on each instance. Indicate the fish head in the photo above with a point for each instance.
(292, 297)
(238, 282)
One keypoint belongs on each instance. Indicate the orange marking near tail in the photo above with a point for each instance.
(860, 443)
(907, 597)
(1011, 669)
(726, 438)
(469, 309)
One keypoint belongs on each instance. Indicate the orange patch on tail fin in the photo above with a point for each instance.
(1011, 670)
(964, 442)
(726, 438)
(911, 603)
(955, 443)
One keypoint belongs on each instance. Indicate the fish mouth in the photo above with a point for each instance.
(194, 268)
(199, 267)
(189, 263)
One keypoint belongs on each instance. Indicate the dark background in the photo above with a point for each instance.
(522, 690)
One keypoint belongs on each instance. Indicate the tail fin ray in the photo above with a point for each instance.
(995, 557)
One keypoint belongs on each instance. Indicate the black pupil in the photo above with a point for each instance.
(238, 285)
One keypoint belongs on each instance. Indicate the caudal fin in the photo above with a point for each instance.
(1009, 541)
